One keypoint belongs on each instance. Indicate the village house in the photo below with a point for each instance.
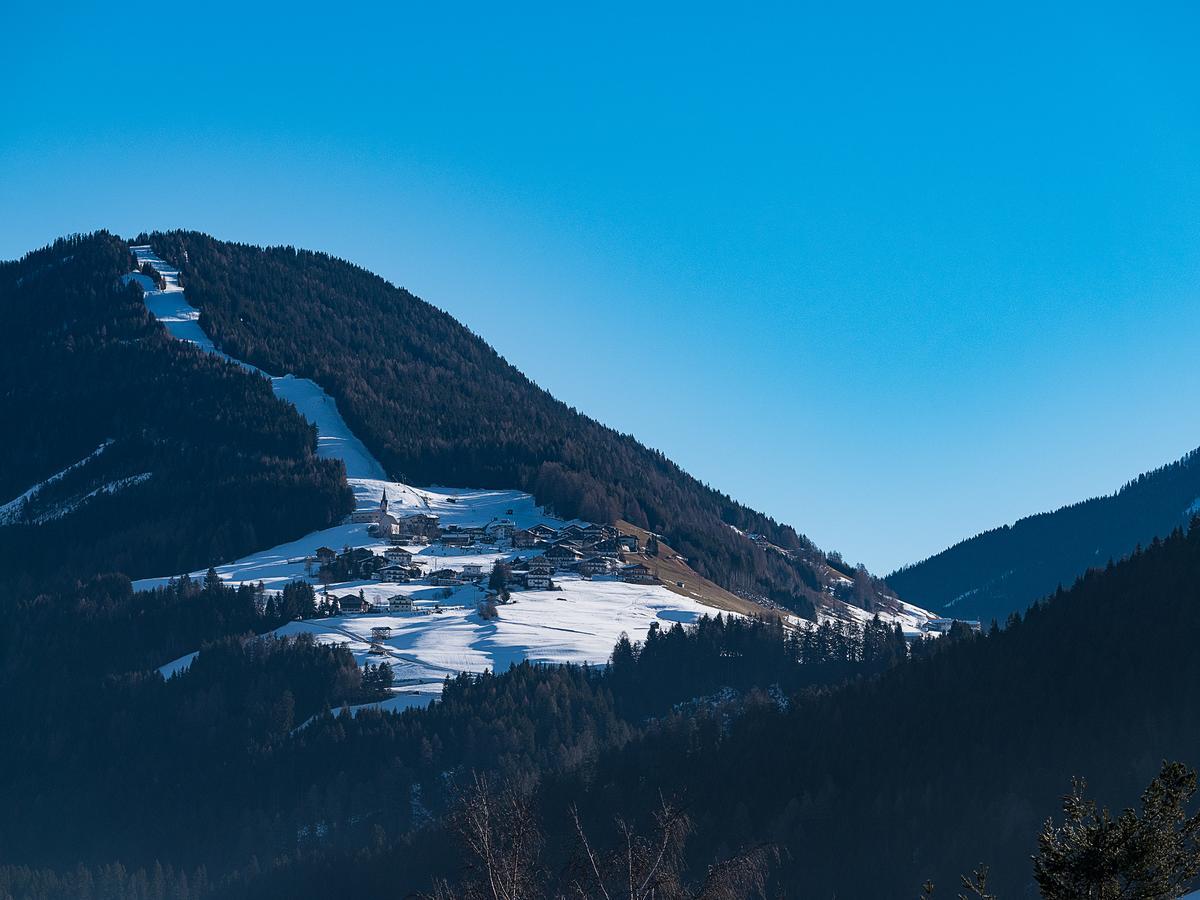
(394, 574)
(397, 556)
(628, 542)
(350, 604)
(594, 533)
(538, 581)
(472, 571)
(544, 532)
(400, 603)
(541, 565)
(638, 574)
(444, 577)
(607, 547)
(500, 529)
(525, 538)
(369, 566)
(562, 556)
(571, 532)
(424, 526)
(325, 555)
(457, 539)
(595, 565)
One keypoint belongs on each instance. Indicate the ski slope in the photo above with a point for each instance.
(335, 439)
(444, 635)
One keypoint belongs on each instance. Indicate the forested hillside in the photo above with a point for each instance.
(104, 764)
(1005, 569)
(183, 459)
(940, 764)
(925, 767)
(438, 405)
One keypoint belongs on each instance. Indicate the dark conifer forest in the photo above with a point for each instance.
(827, 747)
(201, 463)
(1005, 569)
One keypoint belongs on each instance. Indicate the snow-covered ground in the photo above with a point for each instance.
(578, 622)
(14, 509)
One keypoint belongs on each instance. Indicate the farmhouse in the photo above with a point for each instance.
(638, 574)
(537, 581)
(325, 555)
(562, 556)
(500, 530)
(397, 556)
(444, 577)
(400, 603)
(541, 565)
(395, 574)
(607, 547)
(351, 604)
(595, 565)
(471, 571)
(525, 538)
(422, 527)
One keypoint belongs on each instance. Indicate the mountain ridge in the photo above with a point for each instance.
(439, 406)
(1003, 570)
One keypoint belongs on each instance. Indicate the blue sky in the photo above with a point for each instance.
(891, 273)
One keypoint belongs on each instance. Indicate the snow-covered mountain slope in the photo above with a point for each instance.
(335, 439)
(579, 622)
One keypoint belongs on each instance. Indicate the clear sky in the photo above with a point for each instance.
(891, 273)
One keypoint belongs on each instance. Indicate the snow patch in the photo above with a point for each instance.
(14, 509)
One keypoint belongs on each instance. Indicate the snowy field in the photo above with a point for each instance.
(579, 622)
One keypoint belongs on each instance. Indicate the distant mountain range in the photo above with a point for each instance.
(1005, 569)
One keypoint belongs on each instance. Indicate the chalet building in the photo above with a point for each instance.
(545, 532)
(595, 565)
(325, 555)
(537, 581)
(638, 574)
(400, 603)
(628, 542)
(571, 532)
(365, 516)
(351, 604)
(444, 577)
(500, 530)
(421, 525)
(370, 566)
(394, 574)
(607, 547)
(562, 556)
(525, 538)
(472, 571)
(397, 556)
(594, 533)
(540, 564)
(457, 539)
